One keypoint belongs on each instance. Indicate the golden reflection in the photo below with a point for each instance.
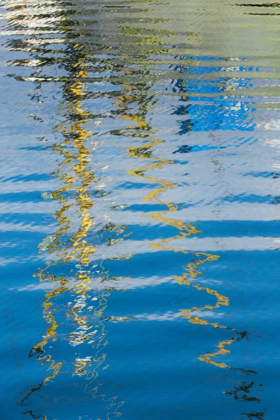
(140, 129)
(191, 270)
(71, 245)
(77, 178)
(77, 161)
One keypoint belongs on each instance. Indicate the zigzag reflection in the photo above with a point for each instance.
(80, 249)
(71, 246)
(140, 130)
(129, 99)
(191, 271)
(74, 170)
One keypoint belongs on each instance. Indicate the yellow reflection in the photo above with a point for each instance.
(75, 174)
(76, 178)
(191, 271)
(80, 250)
(72, 241)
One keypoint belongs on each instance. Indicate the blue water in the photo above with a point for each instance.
(140, 180)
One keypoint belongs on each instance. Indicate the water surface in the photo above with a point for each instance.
(140, 209)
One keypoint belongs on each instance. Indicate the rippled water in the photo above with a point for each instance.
(140, 209)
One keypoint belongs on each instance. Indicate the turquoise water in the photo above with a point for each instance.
(140, 210)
